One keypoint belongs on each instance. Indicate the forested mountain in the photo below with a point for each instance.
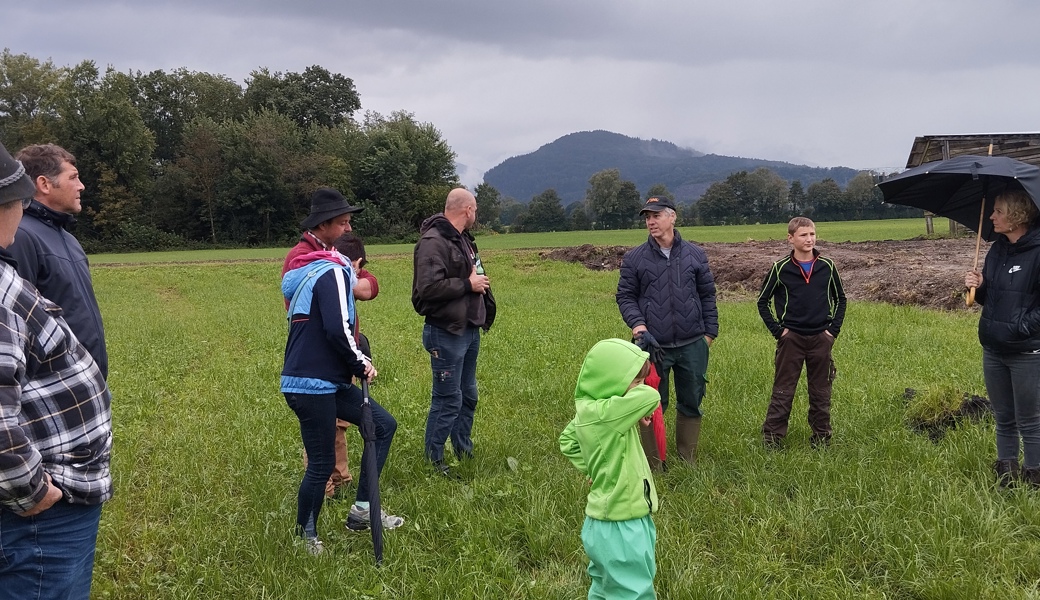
(567, 164)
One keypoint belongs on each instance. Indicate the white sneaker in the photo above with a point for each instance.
(312, 545)
(360, 520)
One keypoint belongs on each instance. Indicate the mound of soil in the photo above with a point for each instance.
(928, 273)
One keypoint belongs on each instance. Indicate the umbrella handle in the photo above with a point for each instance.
(970, 298)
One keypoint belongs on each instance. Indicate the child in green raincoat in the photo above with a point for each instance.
(602, 441)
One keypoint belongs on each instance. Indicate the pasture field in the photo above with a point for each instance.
(208, 457)
(845, 231)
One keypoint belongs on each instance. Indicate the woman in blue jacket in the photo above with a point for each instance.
(321, 361)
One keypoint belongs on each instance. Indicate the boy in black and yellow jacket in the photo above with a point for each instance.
(809, 303)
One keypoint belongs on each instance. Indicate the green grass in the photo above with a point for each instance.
(208, 457)
(846, 231)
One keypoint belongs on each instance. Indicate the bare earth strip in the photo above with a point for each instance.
(928, 273)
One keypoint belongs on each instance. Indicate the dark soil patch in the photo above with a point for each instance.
(973, 409)
(928, 273)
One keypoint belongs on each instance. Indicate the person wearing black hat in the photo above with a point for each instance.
(49, 257)
(328, 220)
(55, 440)
(667, 289)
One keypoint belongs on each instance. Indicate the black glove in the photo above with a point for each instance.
(646, 342)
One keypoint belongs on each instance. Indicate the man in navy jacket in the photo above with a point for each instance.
(667, 289)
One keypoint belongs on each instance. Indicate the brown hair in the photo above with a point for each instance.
(45, 160)
(1020, 207)
(797, 223)
(352, 247)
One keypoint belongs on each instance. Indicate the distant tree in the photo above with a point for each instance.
(314, 97)
(112, 145)
(511, 209)
(827, 200)
(720, 205)
(545, 213)
(579, 217)
(610, 201)
(28, 92)
(797, 201)
(767, 195)
(489, 206)
(168, 102)
(863, 198)
(660, 189)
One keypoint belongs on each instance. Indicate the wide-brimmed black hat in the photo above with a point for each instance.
(656, 204)
(15, 183)
(327, 203)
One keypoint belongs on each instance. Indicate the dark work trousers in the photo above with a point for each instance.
(792, 350)
(690, 364)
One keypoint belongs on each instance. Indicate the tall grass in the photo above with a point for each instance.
(207, 456)
(844, 231)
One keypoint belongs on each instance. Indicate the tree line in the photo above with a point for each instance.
(760, 196)
(184, 159)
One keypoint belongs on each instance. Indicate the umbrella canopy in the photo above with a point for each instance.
(955, 188)
(370, 464)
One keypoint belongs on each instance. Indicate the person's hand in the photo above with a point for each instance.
(709, 340)
(478, 283)
(645, 421)
(829, 334)
(972, 279)
(637, 329)
(784, 332)
(50, 499)
(370, 371)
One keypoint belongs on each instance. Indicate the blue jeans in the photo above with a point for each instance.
(453, 359)
(50, 555)
(1013, 385)
(318, 414)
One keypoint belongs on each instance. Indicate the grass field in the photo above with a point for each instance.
(847, 231)
(207, 455)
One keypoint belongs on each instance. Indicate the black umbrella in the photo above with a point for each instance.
(963, 189)
(371, 466)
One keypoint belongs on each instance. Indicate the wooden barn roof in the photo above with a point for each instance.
(1021, 146)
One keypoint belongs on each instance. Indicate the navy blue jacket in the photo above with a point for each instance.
(674, 296)
(52, 260)
(321, 353)
(1010, 295)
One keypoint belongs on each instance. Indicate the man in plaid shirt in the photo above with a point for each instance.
(55, 431)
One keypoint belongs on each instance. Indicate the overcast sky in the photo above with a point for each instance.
(818, 82)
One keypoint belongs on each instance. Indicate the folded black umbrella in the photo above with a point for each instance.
(371, 467)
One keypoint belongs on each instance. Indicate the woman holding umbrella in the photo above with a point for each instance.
(1008, 288)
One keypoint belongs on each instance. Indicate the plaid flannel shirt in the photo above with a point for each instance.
(55, 408)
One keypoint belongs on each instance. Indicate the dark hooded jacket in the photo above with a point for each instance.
(1010, 295)
(443, 261)
(51, 259)
(673, 296)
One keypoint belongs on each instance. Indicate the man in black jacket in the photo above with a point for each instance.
(450, 289)
(48, 256)
(667, 289)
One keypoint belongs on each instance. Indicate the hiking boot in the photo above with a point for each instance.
(359, 519)
(1007, 472)
(1031, 476)
(819, 441)
(772, 442)
(443, 470)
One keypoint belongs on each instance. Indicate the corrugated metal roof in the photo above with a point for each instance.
(1021, 146)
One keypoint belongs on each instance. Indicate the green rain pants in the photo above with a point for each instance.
(622, 561)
